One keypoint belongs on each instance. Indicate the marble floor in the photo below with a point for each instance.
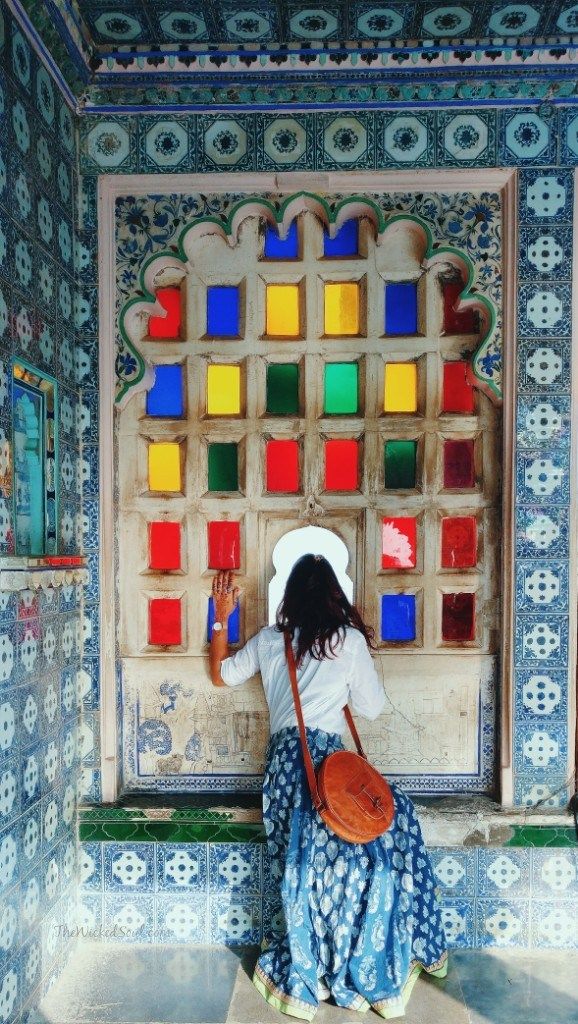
(106, 983)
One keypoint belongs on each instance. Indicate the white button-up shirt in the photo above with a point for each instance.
(324, 686)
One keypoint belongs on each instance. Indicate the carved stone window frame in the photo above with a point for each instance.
(110, 187)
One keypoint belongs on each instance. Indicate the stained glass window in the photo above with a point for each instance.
(341, 385)
(223, 467)
(168, 325)
(165, 398)
(282, 466)
(401, 308)
(400, 387)
(345, 242)
(341, 308)
(224, 545)
(316, 381)
(398, 617)
(282, 318)
(277, 248)
(283, 389)
(341, 465)
(165, 616)
(400, 465)
(223, 390)
(164, 466)
(164, 546)
(223, 311)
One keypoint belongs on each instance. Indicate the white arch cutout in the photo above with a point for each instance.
(307, 540)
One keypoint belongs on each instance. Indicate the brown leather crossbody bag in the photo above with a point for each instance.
(348, 793)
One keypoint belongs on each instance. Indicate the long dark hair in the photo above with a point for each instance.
(314, 603)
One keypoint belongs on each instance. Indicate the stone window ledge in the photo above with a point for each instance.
(446, 821)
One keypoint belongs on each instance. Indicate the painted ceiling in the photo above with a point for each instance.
(136, 55)
(150, 23)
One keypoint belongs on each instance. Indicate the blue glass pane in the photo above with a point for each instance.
(165, 398)
(282, 249)
(223, 312)
(401, 308)
(345, 241)
(233, 630)
(398, 617)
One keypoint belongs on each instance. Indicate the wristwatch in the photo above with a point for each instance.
(217, 626)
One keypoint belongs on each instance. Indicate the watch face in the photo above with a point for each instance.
(217, 626)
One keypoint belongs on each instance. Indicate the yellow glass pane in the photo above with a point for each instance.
(164, 466)
(223, 390)
(342, 308)
(282, 311)
(400, 387)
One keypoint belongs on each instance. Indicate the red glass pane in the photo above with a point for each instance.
(168, 326)
(458, 393)
(282, 466)
(466, 321)
(341, 466)
(458, 616)
(398, 542)
(459, 464)
(224, 545)
(165, 620)
(164, 546)
(459, 542)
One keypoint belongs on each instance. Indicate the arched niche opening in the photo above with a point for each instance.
(307, 540)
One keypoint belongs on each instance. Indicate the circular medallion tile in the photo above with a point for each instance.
(313, 23)
(182, 25)
(448, 20)
(568, 20)
(527, 135)
(514, 20)
(166, 144)
(248, 25)
(117, 26)
(108, 144)
(345, 140)
(380, 23)
(225, 142)
(285, 141)
(405, 139)
(466, 137)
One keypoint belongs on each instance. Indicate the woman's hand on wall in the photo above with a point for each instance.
(225, 595)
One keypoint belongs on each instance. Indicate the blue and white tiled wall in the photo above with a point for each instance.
(222, 892)
(40, 632)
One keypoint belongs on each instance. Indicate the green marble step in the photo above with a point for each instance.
(170, 825)
(542, 835)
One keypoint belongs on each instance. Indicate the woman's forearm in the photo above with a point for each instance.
(219, 650)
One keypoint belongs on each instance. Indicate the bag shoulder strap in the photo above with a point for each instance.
(309, 769)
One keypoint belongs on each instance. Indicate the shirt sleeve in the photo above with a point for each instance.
(241, 665)
(366, 689)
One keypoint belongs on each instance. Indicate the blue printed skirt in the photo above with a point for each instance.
(359, 920)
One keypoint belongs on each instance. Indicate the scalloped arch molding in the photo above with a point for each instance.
(168, 267)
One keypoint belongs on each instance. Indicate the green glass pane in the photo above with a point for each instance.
(400, 464)
(340, 388)
(283, 389)
(223, 473)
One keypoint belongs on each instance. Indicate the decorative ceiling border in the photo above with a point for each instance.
(356, 74)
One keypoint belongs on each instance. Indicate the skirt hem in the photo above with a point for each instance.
(395, 1007)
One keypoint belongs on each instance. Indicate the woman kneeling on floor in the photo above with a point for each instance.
(359, 921)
